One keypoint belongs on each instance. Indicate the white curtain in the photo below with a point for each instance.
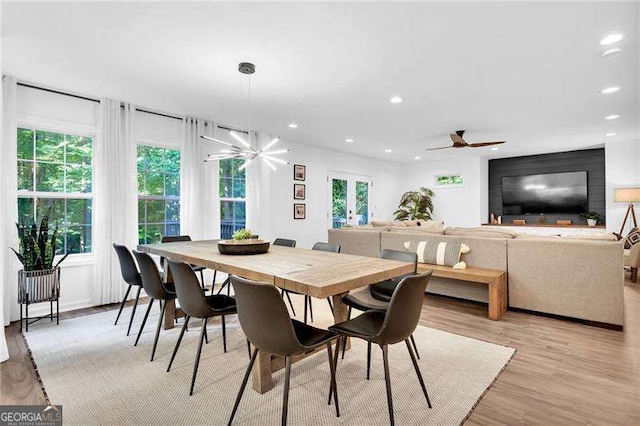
(8, 207)
(199, 198)
(115, 210)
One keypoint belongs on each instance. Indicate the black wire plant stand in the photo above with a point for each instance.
(37, 287)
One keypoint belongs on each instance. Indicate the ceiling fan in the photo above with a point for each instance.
(458, 142)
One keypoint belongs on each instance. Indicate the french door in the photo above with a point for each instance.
(349, 199)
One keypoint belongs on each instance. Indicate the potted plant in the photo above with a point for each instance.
(39, 279)
(592, 218)
(415, 205)
(242, 234)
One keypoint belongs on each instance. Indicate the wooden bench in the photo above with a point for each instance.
(495, 280)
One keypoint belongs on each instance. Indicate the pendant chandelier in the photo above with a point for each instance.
(245, 150)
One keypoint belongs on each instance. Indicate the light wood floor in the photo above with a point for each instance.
(563, 373)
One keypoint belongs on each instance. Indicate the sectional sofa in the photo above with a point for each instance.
(576, 277)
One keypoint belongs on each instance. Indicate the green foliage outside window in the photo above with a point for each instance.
(233, 192)
(158, 193)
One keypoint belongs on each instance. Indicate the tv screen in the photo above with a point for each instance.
(564, 193)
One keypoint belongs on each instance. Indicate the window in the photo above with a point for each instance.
(158, 193)
(232, 197)
(55, 175)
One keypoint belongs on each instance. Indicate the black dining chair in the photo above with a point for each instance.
(196, 305)
(283, 242)
(156, 290)
(196, 268)
(131, 276)
(395, 325)
(370, 299)
(266, 323)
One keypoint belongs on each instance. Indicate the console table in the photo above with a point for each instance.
(549, 229)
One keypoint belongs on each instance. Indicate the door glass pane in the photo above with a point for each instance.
(339, 202)
(362, 202)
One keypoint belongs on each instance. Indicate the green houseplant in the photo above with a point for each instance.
(415, 205)
(592, 218)
(242, 234)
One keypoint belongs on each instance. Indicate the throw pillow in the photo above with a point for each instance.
(440, 253)
(633, 238)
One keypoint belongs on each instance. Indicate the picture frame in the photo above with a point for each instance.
(299, 191)
(299, 211)
(449, 180)
(299, 172)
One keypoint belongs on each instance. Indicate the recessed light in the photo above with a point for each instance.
(610, 39)
(611, 117)
(495, 148)
(293, 125)
(395, 100)
(611, 134)
(612, 53)
(348, 140)
(388, 150)
(612, 89)
(416, 158)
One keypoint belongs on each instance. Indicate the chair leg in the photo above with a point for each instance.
(335, 362)
(285, 397)
(224, 284)
(334, 385)
(122, 304)
(213, 282)
(244, 384)
(197, 363)
(417, 368)
(155, 341)
(310, 308)
(133, 311)
(344, 347)
(144, 321)
(249, 348)
(175, 350)
(305, 309)
(286, 293)
(202, 279)
(415, 348)
(224, 335)
(330, 304)
(368, 360)
(387, 380)
(206, 336)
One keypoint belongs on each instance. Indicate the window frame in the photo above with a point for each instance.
(232, 199)
(165, 198)
(65, 128)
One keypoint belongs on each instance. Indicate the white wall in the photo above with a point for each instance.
(622, 170)
(275, 202)
(459, 206)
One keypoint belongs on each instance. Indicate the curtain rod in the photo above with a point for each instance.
(86, 98)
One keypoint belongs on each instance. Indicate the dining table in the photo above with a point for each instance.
(314, 273)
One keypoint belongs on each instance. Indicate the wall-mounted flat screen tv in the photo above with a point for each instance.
(564, 193)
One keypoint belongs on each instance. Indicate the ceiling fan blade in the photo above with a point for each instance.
(442, 147)
(481, 144)
(457, 140)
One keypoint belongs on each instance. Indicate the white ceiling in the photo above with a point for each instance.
(527, 73)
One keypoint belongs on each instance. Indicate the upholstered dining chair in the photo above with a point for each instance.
(284, 242)
(266, 323)
(196, 268)
(395, 325)
(374, 297)
(196, 305)
(156, 290)
(131, 276)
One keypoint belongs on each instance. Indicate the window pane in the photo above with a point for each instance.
(155, 159)
(78, 237)
(154, 234)
(79, 150)
(172, 184)
(141, 207)
(172, 161)
(25, 144)
(173, 211)
(49, 146)
(25, 175)
(78, 178)
(155, 211)
(339, 202)
(53, 206)
(226, 210)
(154, 183)
(141, 157)
(142, 234)
(239, 210)
(235, 169)
(239, 188)
(78, 211)
(172, 230)
(49, 177)
(226, 187)
(25, 210)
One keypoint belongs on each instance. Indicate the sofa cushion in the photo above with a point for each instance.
(437, 252)
(481, 232)
(591, 237)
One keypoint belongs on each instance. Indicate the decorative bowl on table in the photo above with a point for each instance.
(243, 247)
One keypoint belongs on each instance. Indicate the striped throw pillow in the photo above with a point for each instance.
(438, 253)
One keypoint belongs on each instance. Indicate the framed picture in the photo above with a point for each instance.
(299, 172)
(299, 191)
(299, 211)
(454, 180)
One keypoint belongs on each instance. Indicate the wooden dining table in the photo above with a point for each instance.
(315, 273)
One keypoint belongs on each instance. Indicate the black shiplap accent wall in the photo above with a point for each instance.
(591, 160)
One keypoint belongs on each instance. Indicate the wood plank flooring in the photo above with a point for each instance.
(564, 372)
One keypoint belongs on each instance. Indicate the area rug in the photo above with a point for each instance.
(90, 367)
